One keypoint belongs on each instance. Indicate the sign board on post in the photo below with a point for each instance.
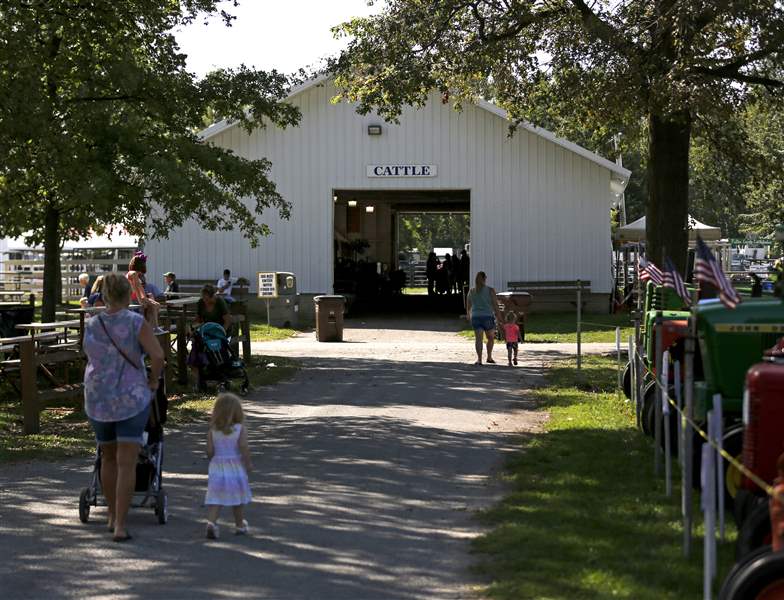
(268, 285)
(267, 288)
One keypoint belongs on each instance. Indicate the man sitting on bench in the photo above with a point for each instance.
(224, 286)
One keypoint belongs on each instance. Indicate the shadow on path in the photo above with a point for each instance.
(366, 476)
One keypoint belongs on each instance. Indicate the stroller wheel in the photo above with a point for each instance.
(84, 505)
(162, 507)
(244, 389)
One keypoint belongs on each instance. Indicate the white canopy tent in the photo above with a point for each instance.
(635, 231)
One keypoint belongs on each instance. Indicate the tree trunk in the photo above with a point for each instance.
(666, 226)
(52, 276)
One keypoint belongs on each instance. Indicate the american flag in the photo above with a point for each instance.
(707, 269)
(649, 271)
(673, 279)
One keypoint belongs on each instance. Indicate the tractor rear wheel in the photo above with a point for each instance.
(755, 531)
(760, 579)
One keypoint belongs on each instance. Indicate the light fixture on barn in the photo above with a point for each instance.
(352, 203)
(335, 198)
(370, 209)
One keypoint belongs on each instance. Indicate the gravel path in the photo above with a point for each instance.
(369, 465)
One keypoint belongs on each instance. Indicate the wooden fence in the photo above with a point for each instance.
(39, 366)
(27, 275)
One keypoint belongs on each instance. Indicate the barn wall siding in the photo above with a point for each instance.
(538, 211)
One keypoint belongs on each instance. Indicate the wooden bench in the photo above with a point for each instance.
(553, 295)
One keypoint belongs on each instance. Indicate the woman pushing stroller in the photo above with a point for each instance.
(118, 392)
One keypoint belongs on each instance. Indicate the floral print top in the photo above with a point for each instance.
(114, 389)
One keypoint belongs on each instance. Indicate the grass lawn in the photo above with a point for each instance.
(415, 290)
(261, 332)
(562, 327)
(66, 432)
(586, 517)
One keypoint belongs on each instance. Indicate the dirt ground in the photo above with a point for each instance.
(369, 466)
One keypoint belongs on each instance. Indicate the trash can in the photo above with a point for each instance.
(329, 318)
(518, 303)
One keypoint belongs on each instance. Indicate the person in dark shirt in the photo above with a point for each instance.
(96, 293)
(84, 284)
(172, 287)
(431, 271)
(756, 286)
(465, 269)
(211, 308)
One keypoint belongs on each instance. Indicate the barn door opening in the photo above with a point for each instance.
(431, 248)
(382, 239)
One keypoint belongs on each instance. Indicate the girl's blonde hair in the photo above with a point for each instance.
(116, 290)
(511, 317)
(226, 412)
(97, 285)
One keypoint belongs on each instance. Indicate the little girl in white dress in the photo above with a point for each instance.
(227, 449)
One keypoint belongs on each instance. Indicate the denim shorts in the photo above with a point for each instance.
(127, 430)
(483, 323)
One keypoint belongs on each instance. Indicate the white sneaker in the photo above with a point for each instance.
(242, 530)
(213, 533)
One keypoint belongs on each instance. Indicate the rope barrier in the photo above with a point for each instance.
(768, 489)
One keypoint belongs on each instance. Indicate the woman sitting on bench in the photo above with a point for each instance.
(137, 270)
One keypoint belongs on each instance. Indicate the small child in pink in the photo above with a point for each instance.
(512, 336)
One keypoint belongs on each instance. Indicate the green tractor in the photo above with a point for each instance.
(664, 304)
(729, 342)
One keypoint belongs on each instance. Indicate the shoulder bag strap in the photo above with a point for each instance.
(120, 350)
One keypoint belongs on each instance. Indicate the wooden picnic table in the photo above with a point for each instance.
(89, 311)
(8, 344)
(34, 355)
(53, 326)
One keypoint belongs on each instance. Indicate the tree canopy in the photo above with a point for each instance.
(99, 122)
(657, 70)
(425, 231)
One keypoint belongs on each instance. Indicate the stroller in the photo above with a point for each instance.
(218, 362)
(149, 491)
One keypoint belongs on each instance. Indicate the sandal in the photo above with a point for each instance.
(122, 538)
(212, 531)
(490, 361)
(478, 363)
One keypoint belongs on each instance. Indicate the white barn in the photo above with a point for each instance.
(539, 204)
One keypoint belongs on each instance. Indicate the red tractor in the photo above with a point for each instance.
(759, 572)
